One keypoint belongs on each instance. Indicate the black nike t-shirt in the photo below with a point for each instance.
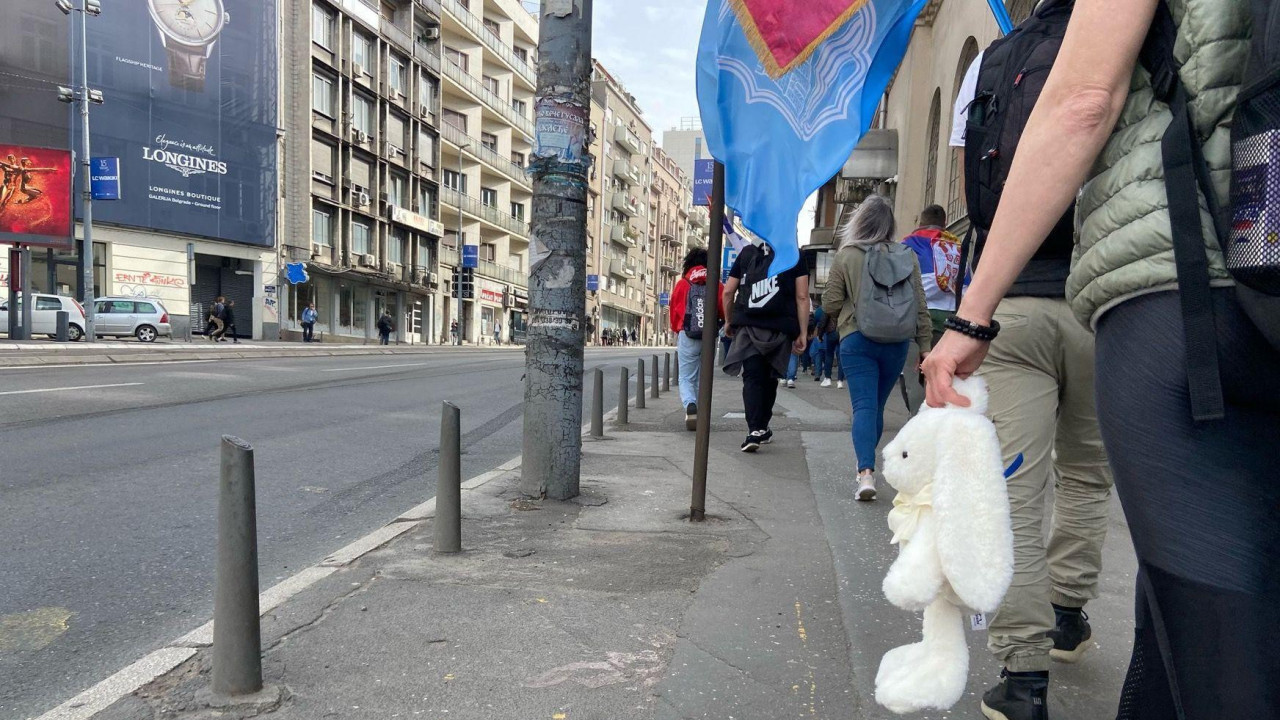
(763, 300)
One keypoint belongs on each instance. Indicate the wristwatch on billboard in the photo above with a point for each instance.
(188, 29)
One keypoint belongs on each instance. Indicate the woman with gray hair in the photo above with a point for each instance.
(875, 290)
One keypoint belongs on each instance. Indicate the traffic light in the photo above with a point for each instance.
(467, 283)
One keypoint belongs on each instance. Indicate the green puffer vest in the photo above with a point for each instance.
(1124, 247)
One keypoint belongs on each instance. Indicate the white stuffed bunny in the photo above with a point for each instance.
(951, 521)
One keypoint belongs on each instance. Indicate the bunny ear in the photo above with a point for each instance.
(971, 507)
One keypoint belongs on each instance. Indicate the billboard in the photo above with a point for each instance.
(190, 111)
(35, 195)
(703, 173)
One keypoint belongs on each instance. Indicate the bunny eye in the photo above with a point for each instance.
(904, 454)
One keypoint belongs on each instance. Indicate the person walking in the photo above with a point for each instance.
(309, 317)
(229, 319)
(214, 324)
(875, 330)
(765, 315)
(497, 333)
(1208, 554)
(687, 316)
(453, 331)
(386, 325)
(939, 254)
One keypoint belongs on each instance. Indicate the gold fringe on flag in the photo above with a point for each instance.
(761, 47)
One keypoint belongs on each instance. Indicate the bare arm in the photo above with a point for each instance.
(1072, 120)
(730, 290)
(802, 313)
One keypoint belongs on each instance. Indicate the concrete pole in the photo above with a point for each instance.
(702, 443)
(653, 381)
(28, 302)
(597, 404)
(86, 192)
(624, 397)
(237, 638)
(449, 482)
(552, 459)
(640, 384)
(666, 372)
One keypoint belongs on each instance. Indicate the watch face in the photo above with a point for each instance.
(191, 22)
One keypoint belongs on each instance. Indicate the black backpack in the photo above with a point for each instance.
(1012, 74)
(694, 310)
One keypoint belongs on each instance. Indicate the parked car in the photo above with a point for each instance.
(143, 318)
(44, 316)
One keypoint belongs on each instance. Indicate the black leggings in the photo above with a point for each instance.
(1203, 507)
(759, 391)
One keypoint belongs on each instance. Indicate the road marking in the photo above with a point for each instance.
(102, 364)
(66, 389)
(373, 367)
(101, 696)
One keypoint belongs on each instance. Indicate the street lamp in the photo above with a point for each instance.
(458, 290)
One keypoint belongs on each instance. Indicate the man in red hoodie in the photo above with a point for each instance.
(688, 299)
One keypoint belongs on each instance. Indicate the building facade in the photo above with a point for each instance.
(670, 193)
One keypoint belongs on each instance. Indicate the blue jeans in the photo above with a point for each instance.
(872, 370)
(689, 353)
(792, 366)
(820, 363)
(832, 343)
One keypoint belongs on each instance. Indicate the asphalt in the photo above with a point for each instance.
(109, 490)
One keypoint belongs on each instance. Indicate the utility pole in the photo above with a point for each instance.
(558, 246)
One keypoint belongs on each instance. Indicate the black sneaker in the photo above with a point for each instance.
(1019, 696)
(753, 442)
(1071, 634)
(767, 437)
(691, 417)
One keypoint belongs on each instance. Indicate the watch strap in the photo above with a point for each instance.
(187, 67)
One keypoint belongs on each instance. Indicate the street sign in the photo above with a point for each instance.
(471, 256)
(703, 170)
(104, 178)
(593, 283)
(664, 299)
(727, 258)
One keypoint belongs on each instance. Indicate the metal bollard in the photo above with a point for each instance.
(653, 382)
(237, 636)
(624, 397)
(449, 482)
(597, 404)
(666, 372)
(63, 327)
(640, 384)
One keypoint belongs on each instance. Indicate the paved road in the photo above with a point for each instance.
(108, 491)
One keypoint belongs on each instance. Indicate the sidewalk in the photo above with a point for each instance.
(615, 606)
(37, 353)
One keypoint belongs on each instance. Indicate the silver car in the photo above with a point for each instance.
(143, 318)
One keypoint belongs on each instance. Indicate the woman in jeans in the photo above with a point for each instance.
(1201, 498)
(870, 367)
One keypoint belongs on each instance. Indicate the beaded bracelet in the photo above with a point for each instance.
(984, 333)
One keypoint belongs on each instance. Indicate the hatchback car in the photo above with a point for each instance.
(143, 318)
(44, 316)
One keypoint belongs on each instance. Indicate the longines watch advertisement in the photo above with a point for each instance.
(190, 90)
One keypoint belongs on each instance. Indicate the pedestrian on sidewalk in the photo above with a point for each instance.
(497, 333)
(831, 346)
(1200, 496)
(453, 331)
(688, 304)
(386, 326)
(767, 322)
(939, 254)
(215, 325)
(1040, 372)
(309, 317)
(818, 348)
(875, 331)
(229, 318)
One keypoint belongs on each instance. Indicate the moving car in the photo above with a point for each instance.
(143, 318)
(44, 316)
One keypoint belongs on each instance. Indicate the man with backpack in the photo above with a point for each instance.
(939, 254)
(688, 303)
(766, 314)
(1040, 372)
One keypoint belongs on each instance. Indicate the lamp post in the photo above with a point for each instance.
(461, 241)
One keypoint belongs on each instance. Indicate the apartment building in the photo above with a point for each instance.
(670, 195)
(488, 63)
(626, 297)
(686, 143)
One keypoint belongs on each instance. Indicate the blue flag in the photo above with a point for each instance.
(786, 89)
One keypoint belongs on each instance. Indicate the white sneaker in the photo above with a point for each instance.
(866, 488)
(791, 383)
(826, 382)
(840, 384)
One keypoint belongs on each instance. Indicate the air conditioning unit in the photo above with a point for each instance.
(393, 268)
(357, 69)
(368, 261)
(431, 33)
(362, 199)
(433, 279)
(424, 110)
(316, 250)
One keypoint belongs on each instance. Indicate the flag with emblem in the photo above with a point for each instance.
(786, 88)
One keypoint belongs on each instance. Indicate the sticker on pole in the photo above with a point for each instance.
(561, 131)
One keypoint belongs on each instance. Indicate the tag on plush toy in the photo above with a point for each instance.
(978, 621)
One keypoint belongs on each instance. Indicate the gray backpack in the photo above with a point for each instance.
(886, 298)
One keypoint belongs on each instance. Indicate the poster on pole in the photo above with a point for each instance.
(703, 172)
(35, 196)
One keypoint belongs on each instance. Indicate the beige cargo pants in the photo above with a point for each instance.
(1040, 373)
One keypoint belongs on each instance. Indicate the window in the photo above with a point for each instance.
(424, 252)
(322, 27)
(388, 11)
(396, 128)
(489, 140)
(322, 94)
(322, 228)
(956, 207)
(454, 181)
(454, 118)
(931, 167)
(360, 235)
(361, 173)
(112, 307)
(362, 113)
(521, 107)
(492, 27)
(323, 160)
(427, 90)
(517, 159)
(361, 52)
(492, 85)
(427, 201)
(489, 252)
(522, 54)
(395, 247)
(457, 57)
(399, 79)
(396, 191)
(489, 197)
(517, 210)
(426, 149)
(146, 308)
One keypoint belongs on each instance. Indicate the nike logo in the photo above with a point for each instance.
(762, 292)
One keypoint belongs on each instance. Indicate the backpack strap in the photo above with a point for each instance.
(1186, 173)
(966, 246)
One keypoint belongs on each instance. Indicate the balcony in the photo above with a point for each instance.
(627, 139)
(625, 171)
(491, 215)
(488, 97)
(699, 218)
(625, 204)
(624, 235)
(431, 6)
(495, 45)
(620, 268)
(503, 273)
(458, 138)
